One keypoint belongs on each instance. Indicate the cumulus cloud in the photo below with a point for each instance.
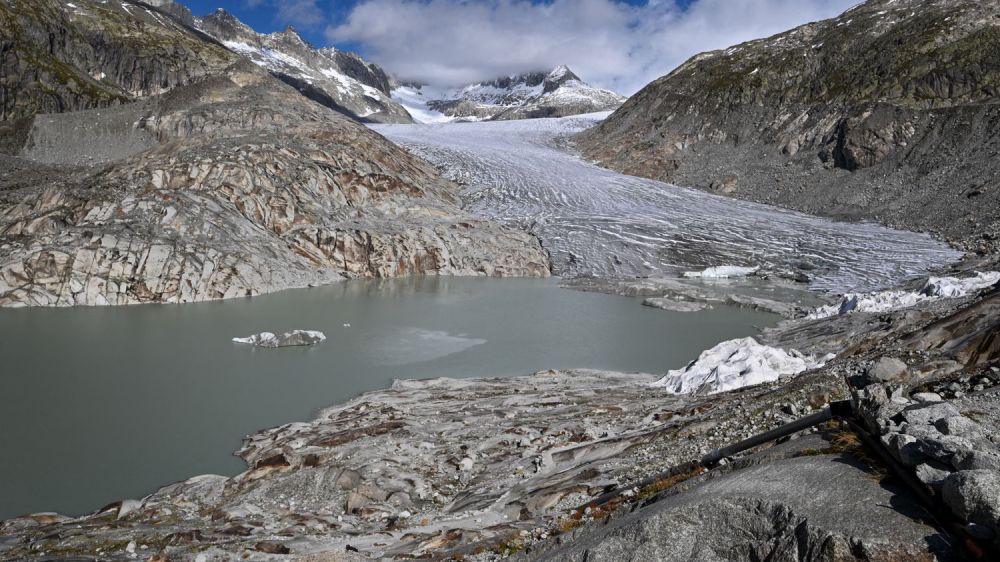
(608, 43)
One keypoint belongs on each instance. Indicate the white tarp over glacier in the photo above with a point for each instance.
(883, 301)
(734, 364)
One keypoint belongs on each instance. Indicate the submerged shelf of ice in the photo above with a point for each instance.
(598, 222)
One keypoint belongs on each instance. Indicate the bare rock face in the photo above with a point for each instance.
(64, 56)
(340, 80)
(886, 112)
(231, 185)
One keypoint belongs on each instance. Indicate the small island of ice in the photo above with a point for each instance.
(288, 339)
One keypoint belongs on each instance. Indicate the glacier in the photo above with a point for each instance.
(597, 222)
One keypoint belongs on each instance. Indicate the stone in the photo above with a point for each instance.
(349, 479)
(932, 473)
(958, 425)
(904, 448)
(929, 412)
(974, 495)
(355, 502)
(945, 448)
(888, 370)
(927, 397)
(976, 460)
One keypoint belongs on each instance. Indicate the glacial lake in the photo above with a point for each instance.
(100, 404)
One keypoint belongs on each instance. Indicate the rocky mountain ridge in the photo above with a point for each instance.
(217, 181)
(338, 79)
(886, 112)
(556, 93)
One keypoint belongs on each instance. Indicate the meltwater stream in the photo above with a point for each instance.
(100, 404)
(597, 222)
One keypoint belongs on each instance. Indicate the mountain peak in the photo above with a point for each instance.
(557, 77)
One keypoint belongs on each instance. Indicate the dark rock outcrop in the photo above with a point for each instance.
(887, 112)
(57, 56)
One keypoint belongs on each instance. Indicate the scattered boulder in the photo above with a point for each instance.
(957, 425)
(974, 495)
(932, 474)
(929, 413)
(888, 370)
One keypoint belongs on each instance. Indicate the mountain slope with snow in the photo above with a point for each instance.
(337, 79)
(558, 93)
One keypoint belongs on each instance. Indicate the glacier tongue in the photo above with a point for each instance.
(597, 222)
(734, 364)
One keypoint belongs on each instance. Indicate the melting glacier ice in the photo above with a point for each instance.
(597, 222)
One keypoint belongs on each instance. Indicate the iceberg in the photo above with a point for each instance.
(735, 364)
(288, 339)
(722, 272)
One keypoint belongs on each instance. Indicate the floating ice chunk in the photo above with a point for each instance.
(722, 271)
(737, 363)
(288, 339)
(883, 301)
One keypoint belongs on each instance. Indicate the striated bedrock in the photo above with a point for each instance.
(147, 163)
(248, 188)
(886, 112)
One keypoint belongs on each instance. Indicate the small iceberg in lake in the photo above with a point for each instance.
(722, 272)
(288, 339)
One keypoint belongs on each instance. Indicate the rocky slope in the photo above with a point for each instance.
(229, 184)
(557, 93)
(57, 56)
(887, 112)
(338, 79)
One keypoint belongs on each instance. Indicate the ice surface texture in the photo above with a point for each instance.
(598, 222)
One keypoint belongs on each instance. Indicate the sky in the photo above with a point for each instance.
(621, 45)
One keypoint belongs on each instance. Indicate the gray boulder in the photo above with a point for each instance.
(974, 495)
(928, 413)
(888, 370)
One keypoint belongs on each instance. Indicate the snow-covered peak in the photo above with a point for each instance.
(340, 80)
(558, 72)
(556, 93)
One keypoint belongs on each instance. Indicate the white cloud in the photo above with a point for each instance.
(610, 44)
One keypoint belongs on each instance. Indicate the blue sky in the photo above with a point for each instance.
(265, 16)
(617, 44)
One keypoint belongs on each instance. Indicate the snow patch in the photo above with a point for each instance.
(735, 364)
